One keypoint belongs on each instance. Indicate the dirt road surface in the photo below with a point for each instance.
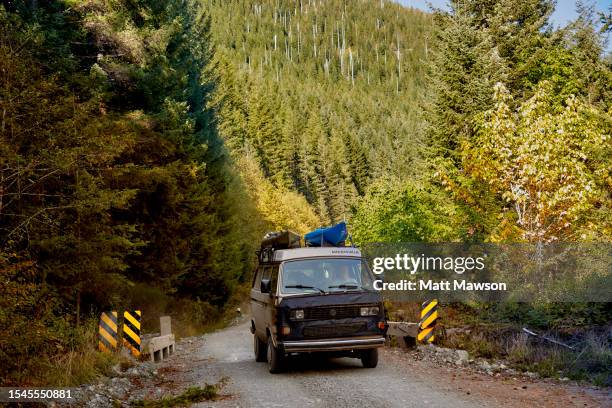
(398, 381)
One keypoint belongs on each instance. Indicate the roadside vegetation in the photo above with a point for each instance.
(191, 395)
(584, 354)
(573, 340)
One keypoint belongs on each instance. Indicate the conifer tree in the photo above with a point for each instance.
(263, 130)
(229, 103)
(359, 167)
(465, 66)
(313, 166)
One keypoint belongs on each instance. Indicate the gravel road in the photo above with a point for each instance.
(426, 376)
(317, 382)
(403, 378)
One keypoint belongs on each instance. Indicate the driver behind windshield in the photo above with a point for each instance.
(343, 276)
(322, 275)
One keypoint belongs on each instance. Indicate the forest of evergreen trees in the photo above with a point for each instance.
(323, 94)
(145, 146)
(113, 176)
(375, 113)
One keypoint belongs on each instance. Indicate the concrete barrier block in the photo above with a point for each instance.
(404, 332)
(160, 348)
(165, 325)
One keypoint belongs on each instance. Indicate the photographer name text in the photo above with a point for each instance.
(442, 285)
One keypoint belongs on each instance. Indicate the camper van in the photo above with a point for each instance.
(314, 299)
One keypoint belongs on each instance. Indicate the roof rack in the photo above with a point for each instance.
(275, 240)
(334, 236)
(281, 240)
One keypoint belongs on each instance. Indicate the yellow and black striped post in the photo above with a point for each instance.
(429, 315)
(107, 332)
(131, 331)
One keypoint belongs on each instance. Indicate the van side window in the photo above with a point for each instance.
(271, 272)
(257, 278)
(273, 278)
(267, 272)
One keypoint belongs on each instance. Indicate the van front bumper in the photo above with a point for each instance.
(331, 344)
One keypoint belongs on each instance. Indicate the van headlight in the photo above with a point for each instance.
(369, 311)
(297, 314)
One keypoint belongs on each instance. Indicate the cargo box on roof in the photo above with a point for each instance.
(281, 240)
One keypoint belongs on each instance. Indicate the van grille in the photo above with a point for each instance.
(331, 312)
(337, 330)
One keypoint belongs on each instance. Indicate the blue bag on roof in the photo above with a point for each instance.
(329, 236)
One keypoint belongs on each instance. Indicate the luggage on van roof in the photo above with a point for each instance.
(281, 240)
(329, 236)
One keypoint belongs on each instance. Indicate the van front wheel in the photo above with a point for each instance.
(259, 348)
(276, 360)
(369, 358)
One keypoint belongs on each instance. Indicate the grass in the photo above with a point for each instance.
(51, 350)
(72, 359)
(191, 395)
(590, 360)
(495, 335)
(77, 367)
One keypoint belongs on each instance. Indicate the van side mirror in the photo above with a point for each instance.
(265, 286)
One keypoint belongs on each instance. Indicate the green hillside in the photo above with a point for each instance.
(371, 111)
(327, 92)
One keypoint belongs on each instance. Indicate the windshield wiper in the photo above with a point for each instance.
(304, 287)
(343, 286)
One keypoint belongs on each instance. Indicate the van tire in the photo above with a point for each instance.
(259, 348)
(369, 358)
(276, 360)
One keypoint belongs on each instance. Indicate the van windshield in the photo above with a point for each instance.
(325, 275)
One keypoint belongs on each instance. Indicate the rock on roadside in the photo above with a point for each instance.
(444, 355)
(107, 392)
(461, 358)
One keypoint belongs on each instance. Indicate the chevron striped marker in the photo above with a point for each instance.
(429, 315)
(131, 331)
(107, 332)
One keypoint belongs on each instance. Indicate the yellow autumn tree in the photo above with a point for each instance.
(280, 207)
(548, 162)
